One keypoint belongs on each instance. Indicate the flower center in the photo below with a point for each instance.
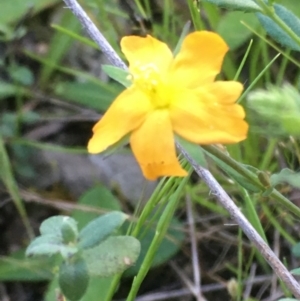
(149, 80)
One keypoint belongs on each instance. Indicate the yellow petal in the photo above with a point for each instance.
(126, 113)
(227, 92)
(142, 52)
(199, 60)
(154, 148)
(202, 118)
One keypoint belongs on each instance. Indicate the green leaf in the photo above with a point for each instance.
(170, 245)
(49, 245)
(266, 107)
(7, 89)
(21, 75)
(184, 33)
(59, 45)
(69, 231)
(53, 225)
(11, 11)
(18, 268)
(286, 176)
(97, 289)
(296, 250)
(89, 94)
(7, 33)
(242, 5)
(234, 33)
(113, 256)
(292, 5)
(99, 229)
(100, 198)
(296, 271)
(9, 123)
(73, 279)
(119, 75)
(11, 186)
(291, 20)
(194, 150)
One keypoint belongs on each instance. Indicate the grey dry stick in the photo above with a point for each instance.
(203, 173)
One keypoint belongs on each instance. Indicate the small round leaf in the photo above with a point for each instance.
(49, 245)
(113, 256)
(44, 245)
(69, 230)
(53, 225)
(73, 279)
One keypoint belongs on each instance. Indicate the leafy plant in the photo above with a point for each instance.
(92, 251)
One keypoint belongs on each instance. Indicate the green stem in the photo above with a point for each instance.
(268, 156)
(234, 164)
(282, 70)
(273, 45)
(160, 232)
(254, 219)
(113, 286)
(241, 66)
(7, 177)
(253, 178)
(258, 77)
(252, 216)
(195, 15)
(276, 224)
(140, 8)
(163, 188)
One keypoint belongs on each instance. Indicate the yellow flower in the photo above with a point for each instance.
(172, 95)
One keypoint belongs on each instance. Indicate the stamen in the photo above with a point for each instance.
(148, 78)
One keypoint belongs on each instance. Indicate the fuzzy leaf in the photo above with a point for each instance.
(113, 256)
(69, 230)
(99, 229)
(291, 20)
(242, 5)
(52, 225)
(288, 299)
(49, 245)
